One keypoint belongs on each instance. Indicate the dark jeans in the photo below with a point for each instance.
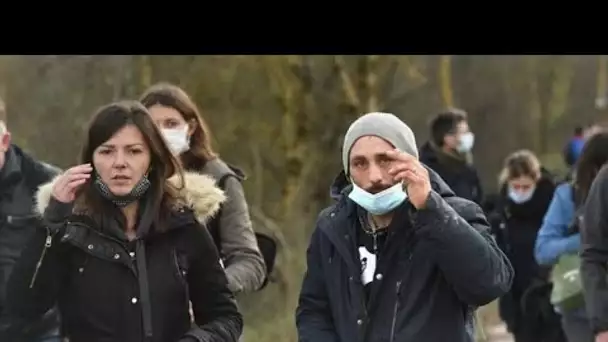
(576, 327)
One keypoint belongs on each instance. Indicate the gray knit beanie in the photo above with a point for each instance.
(383, 125)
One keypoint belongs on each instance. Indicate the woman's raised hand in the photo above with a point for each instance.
(66, 186)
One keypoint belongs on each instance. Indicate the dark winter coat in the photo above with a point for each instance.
(92, 272)
(20, 178)
(437, 266)
(516, 227)
(459, 174)
(526, 308)
(594, 246)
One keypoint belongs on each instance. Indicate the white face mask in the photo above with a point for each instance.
(520, 197)
(466, 141)
(178, 139)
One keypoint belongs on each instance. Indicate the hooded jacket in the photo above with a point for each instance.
(93, 274)
(20, 177)
(457, 172)
(438, 266)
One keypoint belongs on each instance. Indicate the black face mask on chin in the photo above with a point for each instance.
(121, 201)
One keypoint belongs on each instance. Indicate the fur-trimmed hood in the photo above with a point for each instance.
(199, 193)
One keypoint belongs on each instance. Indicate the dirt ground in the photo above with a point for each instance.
(493, 329)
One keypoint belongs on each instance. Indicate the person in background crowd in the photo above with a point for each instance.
(189, 138)
(559, 235)
(526, 190)
(20, 176)
(449, 154)
(594, 246)
(124, 252)
(399, 257)
(573, 148)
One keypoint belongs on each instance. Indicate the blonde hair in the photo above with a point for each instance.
(520, 163)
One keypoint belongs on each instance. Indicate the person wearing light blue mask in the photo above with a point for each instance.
(396, 239)
(526, 190)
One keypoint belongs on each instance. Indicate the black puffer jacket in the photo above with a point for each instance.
(438, 264)
(20, 178)
(516, 227)
(94, 273)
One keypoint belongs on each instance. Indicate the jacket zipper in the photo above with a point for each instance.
(181, 273)
(47, 245)
(395, 310)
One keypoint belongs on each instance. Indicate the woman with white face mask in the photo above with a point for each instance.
(526, 190)
(188, 136)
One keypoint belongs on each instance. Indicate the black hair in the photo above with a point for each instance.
(445, 123)
(593, 156)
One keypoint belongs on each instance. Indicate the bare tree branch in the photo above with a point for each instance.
(347, 84)
(371, 81)
(445, 80)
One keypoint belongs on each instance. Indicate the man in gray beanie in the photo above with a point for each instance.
(398, 257)
(384, 125)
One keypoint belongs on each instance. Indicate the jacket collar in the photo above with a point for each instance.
(198, 195)
(11, 171)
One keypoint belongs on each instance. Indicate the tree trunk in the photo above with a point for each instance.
(445, 80)
(601, 101)
(348, 86)
(367, 80)
(145, 72)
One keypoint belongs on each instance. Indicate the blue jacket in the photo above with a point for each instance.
(553, 240)
(573, 149)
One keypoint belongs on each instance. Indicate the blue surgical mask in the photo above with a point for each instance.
(520, 197)
(381, 202)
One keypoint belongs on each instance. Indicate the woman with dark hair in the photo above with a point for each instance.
(125, 250)
(559, 236)
(189, 138)
(526, 190)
